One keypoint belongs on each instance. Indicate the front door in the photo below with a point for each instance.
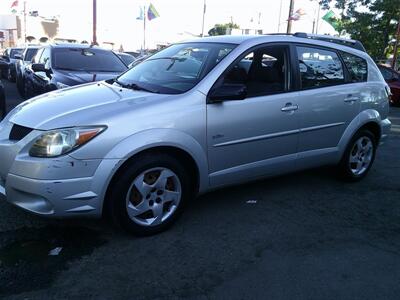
(256, 136)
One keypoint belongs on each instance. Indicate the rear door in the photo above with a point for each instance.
(328, 99)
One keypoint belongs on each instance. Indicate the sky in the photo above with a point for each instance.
(178, 18)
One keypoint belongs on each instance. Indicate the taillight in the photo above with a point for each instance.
(388, 93)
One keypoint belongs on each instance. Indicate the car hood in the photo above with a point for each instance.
(89, 104)
(79, 77)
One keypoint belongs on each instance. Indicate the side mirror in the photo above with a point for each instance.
(228, 92)
(18, 56)
(5, 58)
(38, 68)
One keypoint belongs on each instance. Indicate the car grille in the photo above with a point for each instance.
(19, 132)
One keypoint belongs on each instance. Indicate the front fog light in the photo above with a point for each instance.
(58, 142)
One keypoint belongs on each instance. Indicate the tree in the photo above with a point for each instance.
(373, 22)
(220, 29)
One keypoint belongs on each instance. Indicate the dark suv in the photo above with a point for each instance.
(62, 65)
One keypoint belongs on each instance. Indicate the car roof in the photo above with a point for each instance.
(73, 45)
(322, 40)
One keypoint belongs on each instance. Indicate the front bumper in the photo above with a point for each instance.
(56, 187)
(60, 197)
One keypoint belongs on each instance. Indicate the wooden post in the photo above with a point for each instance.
(289, 24)
(396, 46)
(94, 39)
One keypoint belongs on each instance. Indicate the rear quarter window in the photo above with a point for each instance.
(356, 66)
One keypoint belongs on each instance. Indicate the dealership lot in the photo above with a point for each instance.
(301, 236)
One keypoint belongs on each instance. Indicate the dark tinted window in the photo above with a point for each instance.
(357, 67)
(15, 51)
(30, 53)
(263, 71)
(127, 59)
(389, 75)
(319, 68)
(87, 59)
(177, 68)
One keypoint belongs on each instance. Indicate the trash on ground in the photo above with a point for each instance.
(55, 251)
(251, 201)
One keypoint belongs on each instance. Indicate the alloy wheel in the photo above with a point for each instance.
(361, 155)
(153, 196)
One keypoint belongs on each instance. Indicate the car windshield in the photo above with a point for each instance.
(14, 52)
(87, 59)
(30, 53)
(177, 68)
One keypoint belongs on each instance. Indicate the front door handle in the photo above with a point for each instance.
(289, 107)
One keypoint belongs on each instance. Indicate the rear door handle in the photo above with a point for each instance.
(351, 99)
(289, 107)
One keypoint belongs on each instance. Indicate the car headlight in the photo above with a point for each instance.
(61, 141)
(61, 85)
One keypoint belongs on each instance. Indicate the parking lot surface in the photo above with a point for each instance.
(301, 236)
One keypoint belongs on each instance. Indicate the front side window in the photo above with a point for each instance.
(263, 71)
(177, 68)
(30, 53)
(357, 67)
(86, 59)
(37, 56)
(319, 68)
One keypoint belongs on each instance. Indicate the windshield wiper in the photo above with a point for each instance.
(134, 86)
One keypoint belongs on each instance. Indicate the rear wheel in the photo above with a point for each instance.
(359, 156)
(149, 194)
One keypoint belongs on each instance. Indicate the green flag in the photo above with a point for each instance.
(331, 18)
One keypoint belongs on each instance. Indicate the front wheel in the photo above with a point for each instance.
(150, 193)
(359, 156)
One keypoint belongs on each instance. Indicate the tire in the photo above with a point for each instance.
(164, 188)
(21, 87)
(27, 89)
(2, 106)
(358, 157)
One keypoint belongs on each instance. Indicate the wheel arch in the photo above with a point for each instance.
(368, 119)
(179, 145)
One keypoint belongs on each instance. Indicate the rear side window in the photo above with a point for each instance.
(319, 68)
(356, 66)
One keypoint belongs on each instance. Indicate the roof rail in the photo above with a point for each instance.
(332, 39)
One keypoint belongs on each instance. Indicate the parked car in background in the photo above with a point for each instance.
(126, 58)
(63, 65)
(393, 80)
(140, 146)
(3, 107)
(4, 66)
(26, 58)
(12, 55)
(139, 59)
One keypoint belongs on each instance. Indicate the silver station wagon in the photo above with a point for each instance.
(196, 116)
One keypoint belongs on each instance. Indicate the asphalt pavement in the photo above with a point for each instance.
(300, 236)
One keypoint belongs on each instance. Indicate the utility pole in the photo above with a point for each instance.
(289, 24)
(396, 46)
(94, 40)
(144, 29)
(24, 22)
(204, 15)
(280, 16)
